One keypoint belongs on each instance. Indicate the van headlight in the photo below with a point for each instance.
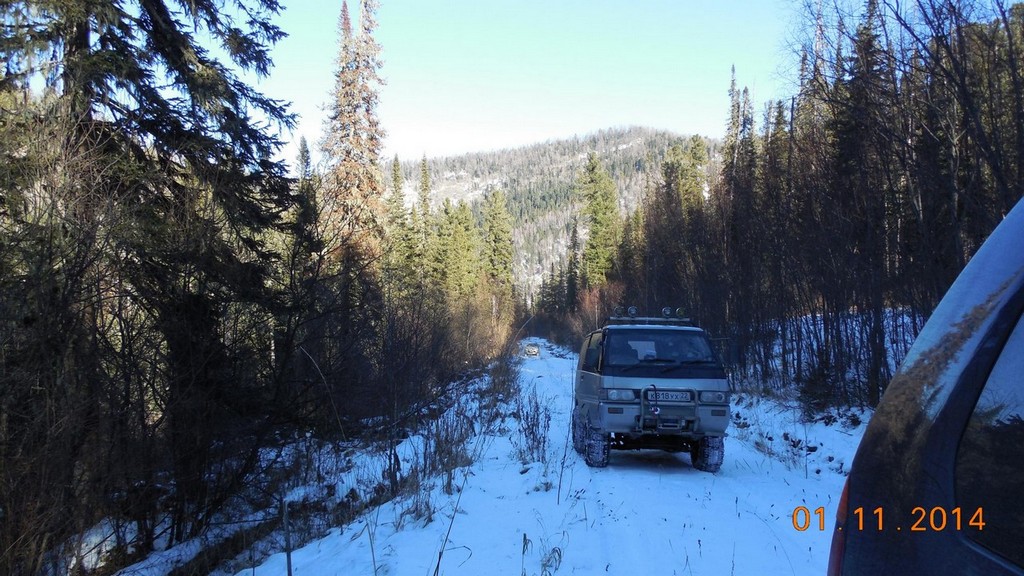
(619, 395)
(713, 397)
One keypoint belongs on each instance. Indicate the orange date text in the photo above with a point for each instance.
(934, 519)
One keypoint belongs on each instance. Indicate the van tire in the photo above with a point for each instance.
(578, 432)
(596, 449)
(707, 453)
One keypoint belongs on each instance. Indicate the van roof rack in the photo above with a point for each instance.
(649, 320)
(669, 317)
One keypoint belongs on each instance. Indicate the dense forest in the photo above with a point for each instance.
(832, 222)
(172, 303)
(538, 182)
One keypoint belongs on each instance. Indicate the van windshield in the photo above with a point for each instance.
(666, 347)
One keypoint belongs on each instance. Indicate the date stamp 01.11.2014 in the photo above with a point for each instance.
(935, 519)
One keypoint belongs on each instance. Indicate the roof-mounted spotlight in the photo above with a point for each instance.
(632, 311)
(619, 311)
(679, 312)
(666, 311)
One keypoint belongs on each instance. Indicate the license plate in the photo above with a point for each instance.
(668, 396)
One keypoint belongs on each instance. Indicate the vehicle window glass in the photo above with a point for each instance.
(621, 351)
(628, 347)
(591, 353)
(583, 353)
(990, 454)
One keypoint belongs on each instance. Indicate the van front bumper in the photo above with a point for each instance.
(689, 420)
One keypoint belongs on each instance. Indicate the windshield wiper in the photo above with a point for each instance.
(628, 367)
(683, 363)
(624, 367)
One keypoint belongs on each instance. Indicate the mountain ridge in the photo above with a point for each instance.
(538, 180)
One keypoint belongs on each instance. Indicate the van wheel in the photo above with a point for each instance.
(578, 432)
(596, 455)
(707, 454)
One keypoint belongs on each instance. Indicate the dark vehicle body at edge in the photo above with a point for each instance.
(937, 485)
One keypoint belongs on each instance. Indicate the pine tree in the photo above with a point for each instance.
(631, 259)
(350, 307)
(497, 230)
(423, 199)
(400, 232)
(666, 233)
(307, 235)
(188, 193)
(572, 269)
(862, 189)
(423, 223)
(352, 140)
(396, 212)
(601, 210)
(455, 252)
(693, 183)
(397, 178)
(400, 239)
(742, 245)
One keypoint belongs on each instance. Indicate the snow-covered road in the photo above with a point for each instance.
(646, 513)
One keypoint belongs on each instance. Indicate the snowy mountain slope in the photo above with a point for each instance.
(647, 513)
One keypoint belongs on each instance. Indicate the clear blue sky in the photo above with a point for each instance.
(474, 75)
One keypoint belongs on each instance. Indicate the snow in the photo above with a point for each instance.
(648, 512)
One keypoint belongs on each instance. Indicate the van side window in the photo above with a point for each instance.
(592, 353)
(988, 459)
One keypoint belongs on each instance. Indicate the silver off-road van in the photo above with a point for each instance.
(650, 383)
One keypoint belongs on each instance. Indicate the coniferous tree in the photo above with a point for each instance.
(397, 179)
(776, 206)
(353, 213)
(456, 251)
(396, 212)
(738, 198)
(307, 221)
(631, 265)
(307, 233)
(187, 194)
(423, 199)
(497, 228)
(600, 207)
(352, 140)
(665, 223)
(399, 240)
(572, 270)
(862, 190)
(423, 224)
(498, 257)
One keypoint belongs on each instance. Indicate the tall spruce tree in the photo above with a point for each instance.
(352, 139)
(601, 210)
(739, 184)
(572, 269)
(862, 189)
(354, 216)
(497, 231)
(188, 177)
(666, 255)
(670, 230)
(423, 196)
(307, 234)
(396, 212)
(497, 260)
(455, 260)
(422, 220)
